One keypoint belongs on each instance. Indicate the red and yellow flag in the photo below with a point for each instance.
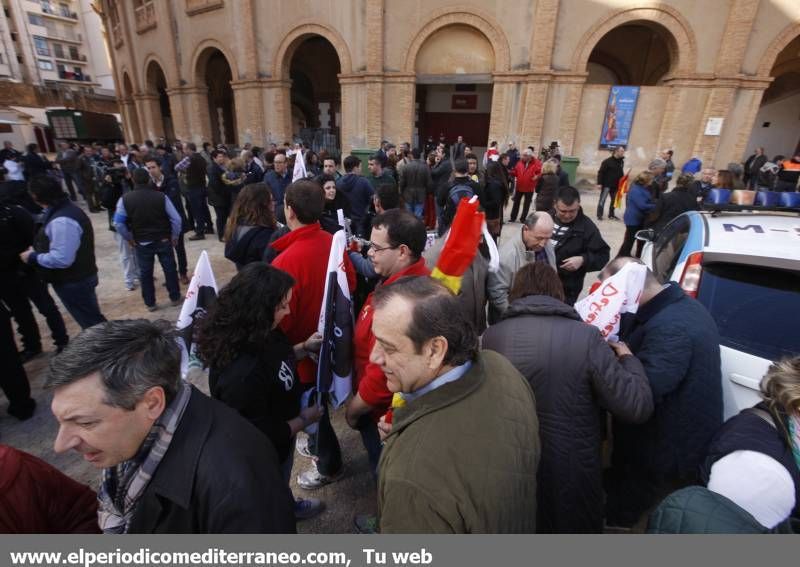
(622, 189)
(461, 246)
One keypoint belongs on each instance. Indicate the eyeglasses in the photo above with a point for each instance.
(377, 248)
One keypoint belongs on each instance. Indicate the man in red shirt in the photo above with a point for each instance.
(303, 254)
(398, 240)
(527, 173)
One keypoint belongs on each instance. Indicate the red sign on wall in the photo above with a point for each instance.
(464, 102)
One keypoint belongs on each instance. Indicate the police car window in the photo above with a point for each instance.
(667, 247)
(755, 308)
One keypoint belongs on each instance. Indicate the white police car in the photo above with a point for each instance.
(745, 268)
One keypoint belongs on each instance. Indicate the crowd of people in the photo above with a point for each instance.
(493, 410)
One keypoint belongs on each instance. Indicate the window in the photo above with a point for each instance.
(45, 65)
(145, 12)
(73, 53)
(41, 46)
(64, 127)
(668, 246)
(754, 307)
(65, 11)
(35, 19)
(58, 50)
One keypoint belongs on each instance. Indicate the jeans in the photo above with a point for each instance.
(525, 207)
(46, 305)
(146, 254)
(199, 208)
(324, 445)
(605, 194)
(222, 220)
(127, 259)
(12, 294)
(80, 300)
(69, 181)
(415, 208)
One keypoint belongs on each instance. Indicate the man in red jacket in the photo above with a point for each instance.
(398, 240)
(303, 254)
(35, 498)
(527, 173)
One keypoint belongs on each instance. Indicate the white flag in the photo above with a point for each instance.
(335, 368)
(299, 166)
(616, 295)
(200, 296)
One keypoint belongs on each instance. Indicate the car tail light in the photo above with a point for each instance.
(692, 271)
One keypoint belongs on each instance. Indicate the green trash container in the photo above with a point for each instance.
(570, 165)
(363, 155)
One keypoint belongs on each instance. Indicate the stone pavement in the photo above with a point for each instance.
(353, 493)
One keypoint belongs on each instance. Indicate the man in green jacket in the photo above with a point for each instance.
(464, 447)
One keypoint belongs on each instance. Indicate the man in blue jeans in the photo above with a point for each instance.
(148, 219)
(63, 251)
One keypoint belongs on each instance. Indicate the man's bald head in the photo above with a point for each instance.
(537, 230)
(620, 262)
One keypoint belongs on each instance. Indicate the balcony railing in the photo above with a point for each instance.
(145, 16)
(60, 13)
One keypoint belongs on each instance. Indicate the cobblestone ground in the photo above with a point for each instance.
(353, 493)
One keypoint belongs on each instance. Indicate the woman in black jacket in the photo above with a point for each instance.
(250, 225)
(547, 187)
(334, 200)
(495, 198)
(252, 365)
(575, 376)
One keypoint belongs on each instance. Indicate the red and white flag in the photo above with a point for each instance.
(616, 295)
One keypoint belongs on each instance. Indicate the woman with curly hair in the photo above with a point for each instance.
(754, 460)
(334, 200)
(252, 364)
(250, 226)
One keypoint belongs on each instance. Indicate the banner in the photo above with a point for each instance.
(616, 295)
(619, 117)
(200, 296)
(335, 368)
(299, 166)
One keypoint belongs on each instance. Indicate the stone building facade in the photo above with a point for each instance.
(528, 71)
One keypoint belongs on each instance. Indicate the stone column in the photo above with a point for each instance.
(130, 120)
(249, 112)
(354, 114)
(748, 105)
(140, 102)
(506, 98)
(198, 120)
(399, 94)
(151, 115)
(178, 104)
(572, 87)
(277, 104)
(544, 34)
(719, 104)
(533, 106)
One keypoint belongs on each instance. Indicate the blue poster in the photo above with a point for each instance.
(619, 116)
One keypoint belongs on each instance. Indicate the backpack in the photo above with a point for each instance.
(458, 192)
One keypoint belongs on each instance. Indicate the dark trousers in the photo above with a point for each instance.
(633, 493)
(69, 181)
(90, 193)
(630, 238)
(525, 207)
(180, 252)
(80, 300)
(13, 380)
(12, 293)
(372, 441)
(199, 207)
(222, 219)
(605, 194)
(46, 305)
(324, 444)
(146, 255)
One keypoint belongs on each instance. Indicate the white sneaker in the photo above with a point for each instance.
(312, 478)
(302, 446)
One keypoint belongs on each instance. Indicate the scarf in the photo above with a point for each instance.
(124, 484)
(794, 436)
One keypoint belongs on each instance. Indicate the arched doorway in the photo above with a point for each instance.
(453, 70)
(133, 131)
(637, 53)
(157, 86)
(777, 124)
(214, 72)
(316, 95)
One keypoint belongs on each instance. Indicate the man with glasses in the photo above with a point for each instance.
(532, 245)
(398, 239)
(578, 244)
(278, 180)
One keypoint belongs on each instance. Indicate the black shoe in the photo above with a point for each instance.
(24, 410)
(599, 218)
(197, 237)
(612, 217)
(29, 354)
(112, 229)
(210, 230)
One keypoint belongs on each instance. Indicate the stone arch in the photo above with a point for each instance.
(202, 52)
(127, 85)
(156, 100)
(780, 43)
(149, 61)
(130, 114)
(293, 39)
(685, 45)
(472, 18)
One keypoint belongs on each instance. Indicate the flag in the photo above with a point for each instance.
(335, 368)
(622, 189)
(461, 245)
(200, 296)
(299, 166)
(619, 294)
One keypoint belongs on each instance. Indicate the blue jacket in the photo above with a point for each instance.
(278, 185)
(638, 204)
(677, 341)
(360, 192)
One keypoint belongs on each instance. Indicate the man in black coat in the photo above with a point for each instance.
(173, 460)
(608, 176)
(579, 247)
